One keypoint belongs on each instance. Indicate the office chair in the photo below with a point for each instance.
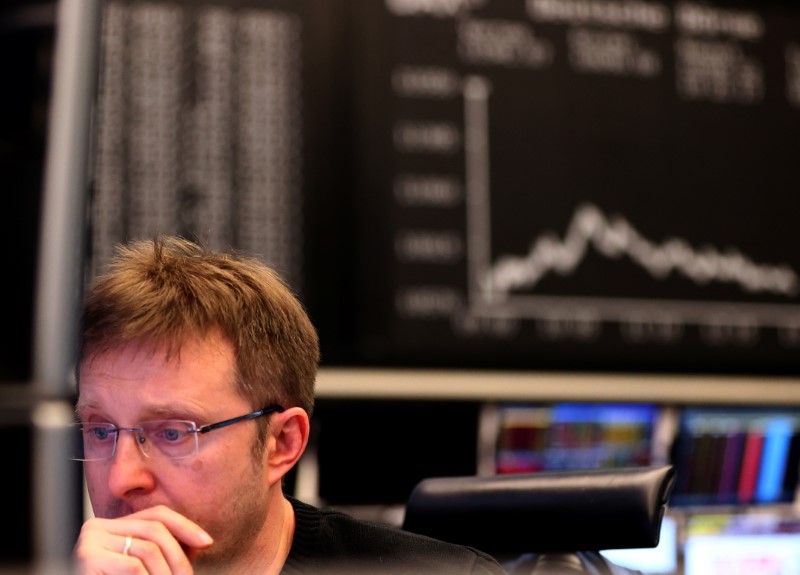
(546, 523)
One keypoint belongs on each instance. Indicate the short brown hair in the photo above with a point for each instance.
(168, 290)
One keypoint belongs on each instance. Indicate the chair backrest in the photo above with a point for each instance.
(545, 515)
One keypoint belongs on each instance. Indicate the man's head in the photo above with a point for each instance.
(176, 333)
(170, 290)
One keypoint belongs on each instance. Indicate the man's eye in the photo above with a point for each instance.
(171, 434)
(97, 433)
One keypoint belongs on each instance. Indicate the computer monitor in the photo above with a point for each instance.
(574, 436)
(742, 544)
(736, 456)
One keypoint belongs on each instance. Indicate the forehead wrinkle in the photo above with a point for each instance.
(101, 377)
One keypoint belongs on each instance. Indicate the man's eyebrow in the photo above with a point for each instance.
(172, 411)
(84, 404)
(154, 411)
(163, 410)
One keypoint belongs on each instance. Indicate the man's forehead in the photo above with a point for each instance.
(168, 349)
(144, 348)
(208, 359)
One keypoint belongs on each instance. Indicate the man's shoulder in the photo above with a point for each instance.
(340, 535)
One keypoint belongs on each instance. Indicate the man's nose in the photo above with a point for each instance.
(131, 472)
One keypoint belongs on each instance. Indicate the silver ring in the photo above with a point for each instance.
(128, 543)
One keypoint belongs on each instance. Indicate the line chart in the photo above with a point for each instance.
(504, 285)
(615, 237)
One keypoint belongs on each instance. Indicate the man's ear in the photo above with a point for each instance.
(287, 439)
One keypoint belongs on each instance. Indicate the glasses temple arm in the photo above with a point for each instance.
(253, 415)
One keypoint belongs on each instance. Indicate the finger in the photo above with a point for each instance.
(98, 551)
(186, 531)
(100, 560)
(154, 544)
(158, 548)
(152, 559)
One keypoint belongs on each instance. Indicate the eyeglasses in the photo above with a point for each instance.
(172, 438)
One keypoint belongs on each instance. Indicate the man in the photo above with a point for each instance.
(196, 383)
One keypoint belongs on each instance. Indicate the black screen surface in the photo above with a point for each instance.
(588, 185)
(528, 184)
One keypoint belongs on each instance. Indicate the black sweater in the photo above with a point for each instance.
(332, 542)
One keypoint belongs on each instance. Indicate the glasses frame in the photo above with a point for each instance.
(195, 430)
(252, 415)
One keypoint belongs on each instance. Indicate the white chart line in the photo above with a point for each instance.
(615, 237)
(489, 284)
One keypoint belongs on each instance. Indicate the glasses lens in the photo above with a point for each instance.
(94, 441)
(174, 439)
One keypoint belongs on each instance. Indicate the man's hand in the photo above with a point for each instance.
(162, 541)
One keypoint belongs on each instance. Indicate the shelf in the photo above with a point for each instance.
(368, 383)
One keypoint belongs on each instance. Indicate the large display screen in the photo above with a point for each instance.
(582, 184)
(601, 185)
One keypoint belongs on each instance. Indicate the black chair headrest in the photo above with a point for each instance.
(553, 511)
